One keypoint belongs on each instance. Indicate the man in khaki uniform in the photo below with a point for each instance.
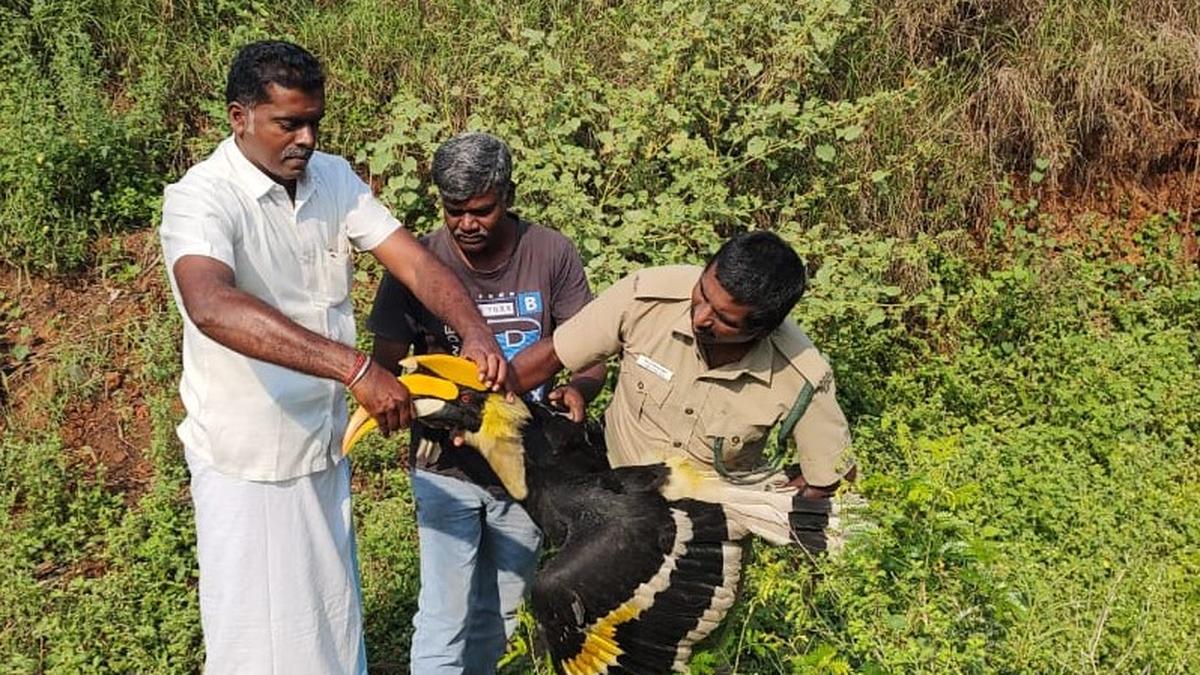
(709, 360)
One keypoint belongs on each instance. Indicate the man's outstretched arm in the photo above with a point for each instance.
(443, 294)
(251, 327)
(534, 365)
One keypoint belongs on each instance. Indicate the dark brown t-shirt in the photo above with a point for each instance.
(540, 286)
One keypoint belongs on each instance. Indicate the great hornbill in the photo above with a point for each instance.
(648, 557)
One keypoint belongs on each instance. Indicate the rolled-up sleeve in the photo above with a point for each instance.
(193, 224)
(596, 332)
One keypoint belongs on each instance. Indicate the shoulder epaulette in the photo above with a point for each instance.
(791, 343)
(672, 282)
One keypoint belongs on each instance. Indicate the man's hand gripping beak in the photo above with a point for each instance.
(430, 392)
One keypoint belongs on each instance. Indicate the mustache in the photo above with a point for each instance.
(297, 153)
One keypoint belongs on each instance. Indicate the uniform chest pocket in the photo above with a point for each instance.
(651, 390)
(741, 432)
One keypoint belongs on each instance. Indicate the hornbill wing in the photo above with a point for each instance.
(633, 593)
(778, 514)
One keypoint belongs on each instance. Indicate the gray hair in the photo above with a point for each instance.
(470, 164)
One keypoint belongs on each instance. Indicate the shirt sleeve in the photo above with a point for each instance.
(368, 222)
(597, 331)
(394, 312)
(193, 224)
(569, 290)
(823, 438)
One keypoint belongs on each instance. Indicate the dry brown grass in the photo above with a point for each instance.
(1106, 91)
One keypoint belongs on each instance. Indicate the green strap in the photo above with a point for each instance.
(776, 463)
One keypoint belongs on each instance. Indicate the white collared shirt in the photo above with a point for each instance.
(251, 419)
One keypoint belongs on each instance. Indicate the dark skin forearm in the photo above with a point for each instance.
(250, 326)
(539, 363)
(535, 364)
(443, 294)
(388, 353)
(432, 282)
(589, 382)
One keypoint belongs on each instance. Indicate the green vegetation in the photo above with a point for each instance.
(1020, 379)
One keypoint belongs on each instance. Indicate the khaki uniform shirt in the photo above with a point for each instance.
(668, 401)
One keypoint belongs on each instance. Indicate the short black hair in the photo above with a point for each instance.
(259, 64)
(760, 271)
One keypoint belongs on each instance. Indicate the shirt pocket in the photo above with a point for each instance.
(741, 432)
(335, 266)
(648, 391)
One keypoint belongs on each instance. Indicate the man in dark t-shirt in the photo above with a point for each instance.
(478, 547)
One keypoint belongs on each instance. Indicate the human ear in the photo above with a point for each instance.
(240, 118)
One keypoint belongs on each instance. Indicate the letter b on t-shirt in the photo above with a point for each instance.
(529, 304)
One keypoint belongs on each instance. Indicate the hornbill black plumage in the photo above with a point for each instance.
(648, 557)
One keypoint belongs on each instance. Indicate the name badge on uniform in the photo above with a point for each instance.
(655, 367)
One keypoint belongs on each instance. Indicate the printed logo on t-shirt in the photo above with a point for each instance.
(496, 309)
(515, 320)
(530, 304)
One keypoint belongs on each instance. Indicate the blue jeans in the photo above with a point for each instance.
(478, 554)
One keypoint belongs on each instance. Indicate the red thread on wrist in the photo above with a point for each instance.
(357, 371)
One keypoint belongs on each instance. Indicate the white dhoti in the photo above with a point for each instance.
(279, 584)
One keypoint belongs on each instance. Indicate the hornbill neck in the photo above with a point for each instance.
(555, 444)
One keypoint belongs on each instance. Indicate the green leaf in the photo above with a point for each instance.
(756, 147)
(1041, 163)
(826, 153)
(880, 175)
(874, 317)
(20, 353)
(850, 133)
(1036, 177)
(380, 163)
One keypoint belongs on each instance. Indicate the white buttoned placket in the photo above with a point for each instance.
(249, 418)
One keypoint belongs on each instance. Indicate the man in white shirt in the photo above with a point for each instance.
(257, 241)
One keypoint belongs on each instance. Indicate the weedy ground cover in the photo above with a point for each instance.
(1032, 481)
(897, 117)
(1014, 334)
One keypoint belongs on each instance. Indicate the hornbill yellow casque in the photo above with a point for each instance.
(648, 558)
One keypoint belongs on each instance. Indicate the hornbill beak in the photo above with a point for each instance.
(450, 395)
(452, 368)
(449, 372)
(429, 393)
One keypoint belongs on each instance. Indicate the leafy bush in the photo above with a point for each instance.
(1023, 405)
(693, 121)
